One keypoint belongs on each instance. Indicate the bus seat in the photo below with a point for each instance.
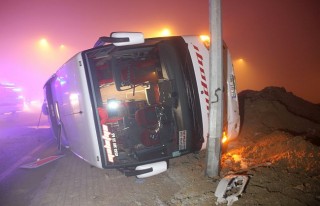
(104, 74)
(146, 117)
(103, 115)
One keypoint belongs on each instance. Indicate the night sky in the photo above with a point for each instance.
(277, 40)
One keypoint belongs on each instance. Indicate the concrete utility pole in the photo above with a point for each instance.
(216, 90)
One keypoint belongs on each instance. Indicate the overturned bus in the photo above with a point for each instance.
(132, 103)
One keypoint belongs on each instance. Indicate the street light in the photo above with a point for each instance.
(43, 43)
(166, 32)
(240, 63)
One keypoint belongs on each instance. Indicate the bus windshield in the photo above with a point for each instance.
(142, 117)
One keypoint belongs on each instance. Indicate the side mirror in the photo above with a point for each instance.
(121, 39)
(134, 38)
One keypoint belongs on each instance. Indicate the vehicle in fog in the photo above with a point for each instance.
(135, 103)
(11, 98)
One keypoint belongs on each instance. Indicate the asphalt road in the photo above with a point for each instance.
(23, 141)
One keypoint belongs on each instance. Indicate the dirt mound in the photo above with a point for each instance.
(278, 128)
(275, 109)
(278, 147)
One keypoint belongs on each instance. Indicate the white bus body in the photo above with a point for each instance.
(135, 103)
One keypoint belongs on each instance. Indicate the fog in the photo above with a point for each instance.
(277, 41)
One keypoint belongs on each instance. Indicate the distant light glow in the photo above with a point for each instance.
(44, 42)
(37, 103)
(17, 89)
(240, 63)
(26, 107)
(204, 38)
(7, 84)
(166, 32)
(33, 105)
